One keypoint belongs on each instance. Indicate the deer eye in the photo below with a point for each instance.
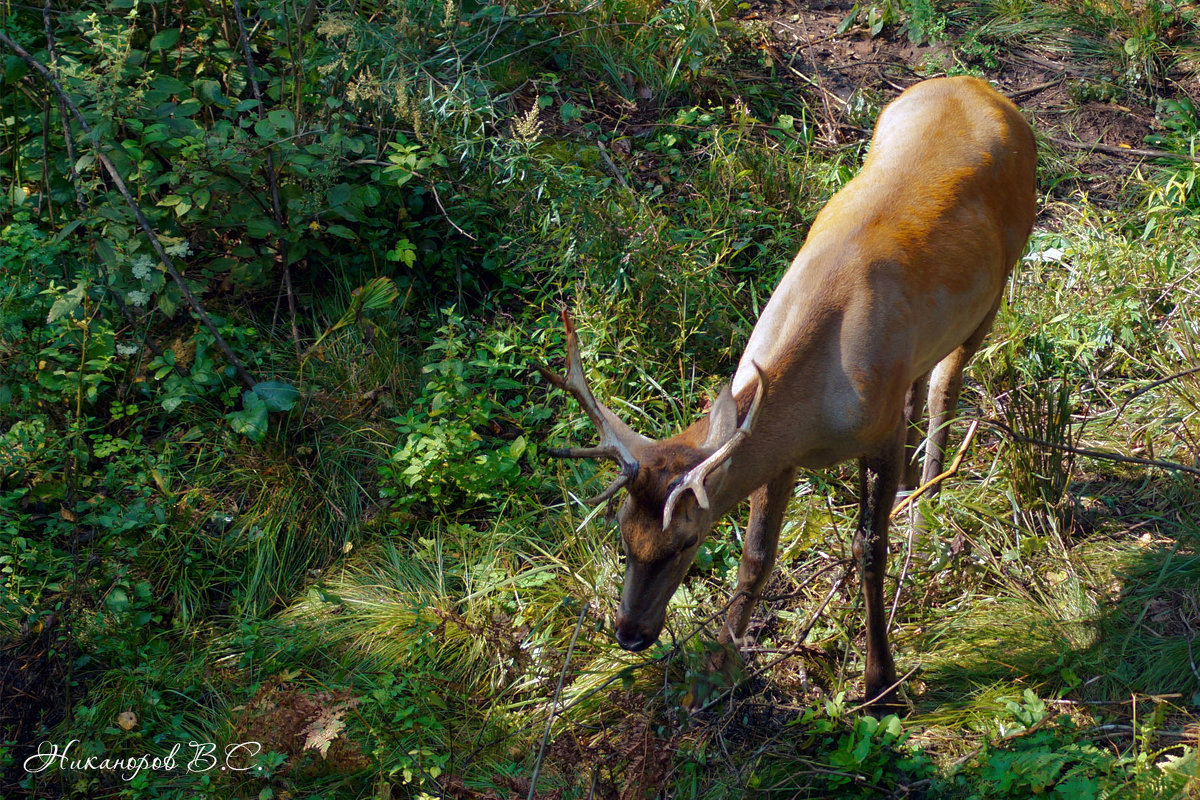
(691, 542)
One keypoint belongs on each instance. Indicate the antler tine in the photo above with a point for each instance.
(618, 441)
(610, 492)
(694, 478)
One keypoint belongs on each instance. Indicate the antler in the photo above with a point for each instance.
(618, 441)
(693, 479)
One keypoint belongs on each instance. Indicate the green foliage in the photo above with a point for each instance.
(407, 731)
(1038, 754)
(1173, 192)
(918, 20)
(873, 751)
(462, 442)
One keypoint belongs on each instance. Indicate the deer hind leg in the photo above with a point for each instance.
(767, 506)
(914, 411)
(879, 476)
(944, 388)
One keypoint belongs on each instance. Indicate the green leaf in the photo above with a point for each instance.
(209, 92)
(164, 40)
(67, 229)
(339, 195)
(14, 69)
(517, 448)
(848, 20)
(165, 83)
(117, 600)
(378, 294)
(282, 120)
(277, 395)
(261, 227)
(188, 107)
(892, 725)
(66, 305)
(251, 421)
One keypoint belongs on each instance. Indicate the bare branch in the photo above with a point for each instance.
(1172, 466)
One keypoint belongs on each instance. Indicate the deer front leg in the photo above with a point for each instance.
(879, 476)
(767, 506)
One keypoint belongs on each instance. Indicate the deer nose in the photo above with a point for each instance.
(631, 637)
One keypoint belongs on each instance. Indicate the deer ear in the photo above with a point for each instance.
(722, 419)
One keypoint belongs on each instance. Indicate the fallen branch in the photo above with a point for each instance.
(1155, 385)
(1172, 466)
(1113, 150)
(143, 222)
(933, 482)
(1029, 91)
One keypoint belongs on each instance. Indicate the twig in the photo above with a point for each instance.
(785, 654)
(1128, 152)
(935, 481)
(1021, 94)
(1100, 454)
(272, 178)
(1155, 385)
(831, 120)
(908, 552)
(897, 682)
(62, 109)
(143, 222)
(1158, 698)
(537, 767)
(1129, 730)
(608, 162)
(446, 214)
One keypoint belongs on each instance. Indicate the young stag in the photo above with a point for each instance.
(900, 278)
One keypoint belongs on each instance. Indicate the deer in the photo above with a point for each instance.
(898, 282)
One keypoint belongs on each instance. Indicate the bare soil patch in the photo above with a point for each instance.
(850, 67)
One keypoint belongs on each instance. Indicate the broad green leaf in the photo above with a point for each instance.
(209, 92)
(251, 420)
(117, 600)
(68, 229)
(164, 40)
(378, 294)
(340, 194)
(277, 395)
(261, 227)
(66, 305)
(283, 120)
(165, 83)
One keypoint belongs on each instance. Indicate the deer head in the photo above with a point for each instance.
(668, 510)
